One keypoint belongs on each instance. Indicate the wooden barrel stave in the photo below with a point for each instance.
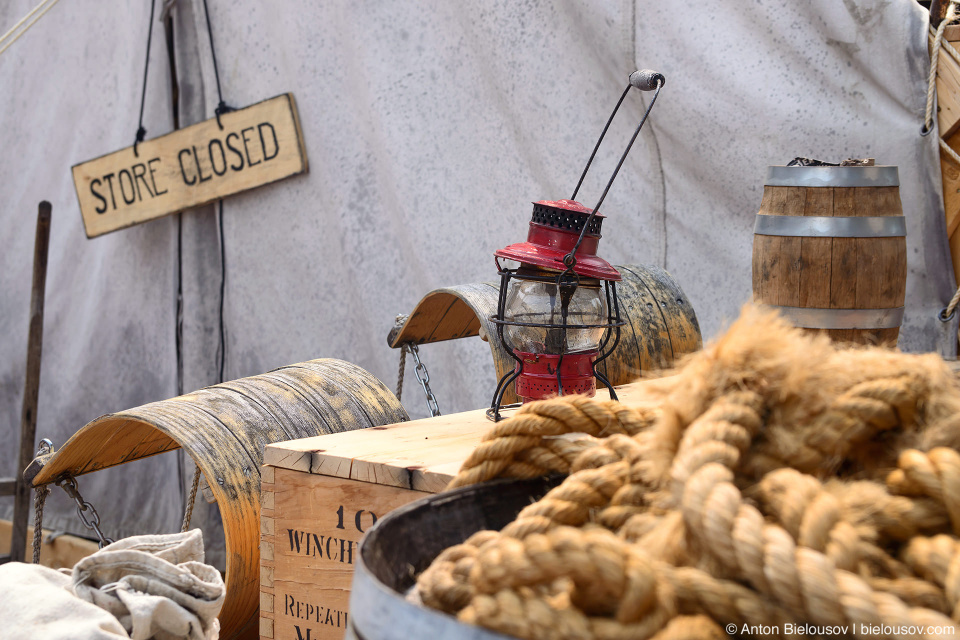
(224, 429)
(404, 543)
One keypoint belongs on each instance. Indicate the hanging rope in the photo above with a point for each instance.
(39, 499)
(141, 132)
(222, 106)
(188, 514)
(401, 371)
(7, 41)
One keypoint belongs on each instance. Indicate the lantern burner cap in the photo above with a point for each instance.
(566, 215)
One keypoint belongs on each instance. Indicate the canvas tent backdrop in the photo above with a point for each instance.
(430, 127)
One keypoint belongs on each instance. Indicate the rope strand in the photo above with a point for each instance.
(141, 132)
(753, 487)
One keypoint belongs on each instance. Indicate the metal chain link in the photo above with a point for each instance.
(424, 379)
(69, 484)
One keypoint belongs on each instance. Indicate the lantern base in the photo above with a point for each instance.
(538, 379)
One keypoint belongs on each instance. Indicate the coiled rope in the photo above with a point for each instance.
(774, 481)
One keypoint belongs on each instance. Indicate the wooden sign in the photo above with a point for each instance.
(192, 166)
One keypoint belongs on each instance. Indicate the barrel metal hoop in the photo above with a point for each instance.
(882, 176)
(838, 227)
(809, 318)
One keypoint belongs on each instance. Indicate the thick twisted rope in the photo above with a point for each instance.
(777, 482)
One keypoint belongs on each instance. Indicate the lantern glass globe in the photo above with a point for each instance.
(540, 302)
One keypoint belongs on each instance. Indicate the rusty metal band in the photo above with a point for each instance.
(841, 318)
(838, 227)
(882, 176)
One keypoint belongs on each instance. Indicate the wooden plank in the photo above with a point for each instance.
(267, 549)
(881, 262)
(948, 94)
(192, 166)
(815, 253)
(843, 264)
(31, 386)
(319, 523)
(422, 455)
(64, 550)
(789, 201)
(339, 484)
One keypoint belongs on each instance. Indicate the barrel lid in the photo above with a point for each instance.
(876, 176)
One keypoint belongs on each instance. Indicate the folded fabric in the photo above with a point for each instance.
(142, 587)
(36, 602)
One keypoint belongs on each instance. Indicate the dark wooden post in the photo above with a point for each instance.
(938, 11)
(31, 389)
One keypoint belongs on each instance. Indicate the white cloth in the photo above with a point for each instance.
(142, 587)
(429, 126)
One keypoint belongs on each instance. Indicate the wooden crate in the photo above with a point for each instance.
(320, 494)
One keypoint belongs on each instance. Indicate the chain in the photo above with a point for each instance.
(424, 379)
(69, 484)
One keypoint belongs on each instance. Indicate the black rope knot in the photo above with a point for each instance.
(222, 107)
(141, 134)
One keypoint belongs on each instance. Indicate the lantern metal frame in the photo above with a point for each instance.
(644, 80)
(570, 280)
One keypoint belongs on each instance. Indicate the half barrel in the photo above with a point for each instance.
(829, 250)
(224, 428)
(403, 544)
(661, 325)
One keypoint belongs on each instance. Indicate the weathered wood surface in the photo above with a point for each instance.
(832, 273)
(407, 542)
(225, 428)
(661, 324)
(948, 96)
(318, 485)
(31, 387)
(191, 166)
(311, 526)
(421, 455)
(63, 550)
(948, 86)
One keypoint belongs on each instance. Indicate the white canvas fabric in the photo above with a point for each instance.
(429, 127)
(142, 587)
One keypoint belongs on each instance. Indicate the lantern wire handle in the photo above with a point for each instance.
(644, 80)
(597, 147)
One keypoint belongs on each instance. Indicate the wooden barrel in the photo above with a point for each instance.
(830, 251)
(661, 324)
(224, 428)
(404, 543)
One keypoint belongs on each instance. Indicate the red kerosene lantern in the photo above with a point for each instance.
(558, 314)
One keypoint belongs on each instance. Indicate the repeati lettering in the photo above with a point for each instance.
(311, 612)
